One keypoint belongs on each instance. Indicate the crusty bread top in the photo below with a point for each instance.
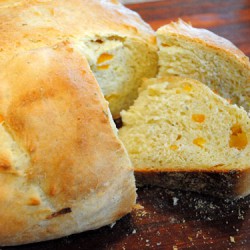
(28, 24)
(183, 29)
(58, 145)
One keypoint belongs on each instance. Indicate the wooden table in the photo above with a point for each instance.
(178, 220)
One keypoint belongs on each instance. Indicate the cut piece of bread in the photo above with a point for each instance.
(181, 135)
(202, 55)
(63, 169)
(120, 47)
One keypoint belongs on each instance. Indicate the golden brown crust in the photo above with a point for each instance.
(54, 111)
(220, 168)
(203, 36)
(29, 24)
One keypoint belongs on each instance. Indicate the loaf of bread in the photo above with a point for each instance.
(119, 46)
(202, 55)
(181, 135)
(63, 169)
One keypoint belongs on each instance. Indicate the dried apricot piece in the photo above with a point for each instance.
(174, 147)
(104, 57)
(199, 141)
(34, 201)
(164, 45)
(198, 118)
(238, 138)
(103, 67)
(187, 87)
(236, 129)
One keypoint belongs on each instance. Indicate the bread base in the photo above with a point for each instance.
(230, 184)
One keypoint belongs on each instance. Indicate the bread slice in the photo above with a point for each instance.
(181, 135)
(202, 55)
(63, 169)
(120, 47)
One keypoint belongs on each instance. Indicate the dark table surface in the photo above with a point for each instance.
(174, 219)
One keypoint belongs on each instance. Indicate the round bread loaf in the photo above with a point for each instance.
(63, 169)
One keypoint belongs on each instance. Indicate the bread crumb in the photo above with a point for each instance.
(138, 207)
(198, 233)
(175, 201)
(240, 214)
(158, 243)
(112, 225)
(141, 213)
(134, 231)
(175, 248)
(232, 239)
